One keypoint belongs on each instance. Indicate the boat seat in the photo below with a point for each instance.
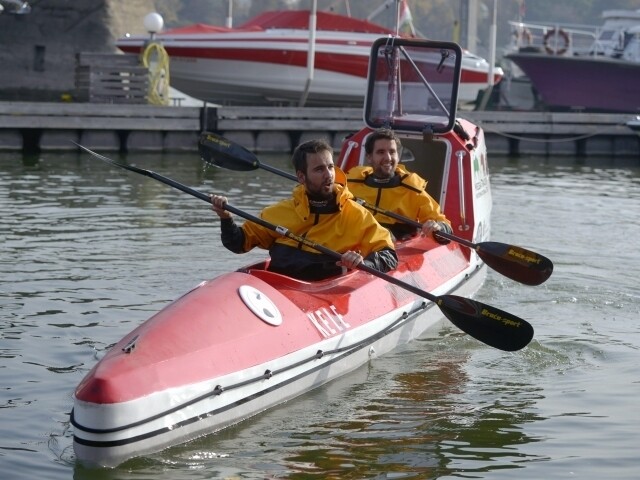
(404, 248)
(429, 162)
(279, 280)
(263, 265)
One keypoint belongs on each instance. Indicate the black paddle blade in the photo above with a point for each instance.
(488, 324)
(217, 150)
(517, 263)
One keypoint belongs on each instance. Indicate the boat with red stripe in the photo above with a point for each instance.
(265, 61)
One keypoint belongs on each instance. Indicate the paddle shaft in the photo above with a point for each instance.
(517, 263)
(278, 229)
(414, 223)
(408, 221)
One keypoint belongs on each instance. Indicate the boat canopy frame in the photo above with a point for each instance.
(413, 85)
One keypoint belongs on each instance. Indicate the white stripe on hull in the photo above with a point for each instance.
(256, 83)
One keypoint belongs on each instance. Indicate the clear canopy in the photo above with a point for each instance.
(413, 85)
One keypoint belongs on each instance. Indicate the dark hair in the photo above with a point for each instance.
(299, 159)
(386, 133)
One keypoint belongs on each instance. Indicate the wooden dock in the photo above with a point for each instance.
(549, 133)
(55, 126)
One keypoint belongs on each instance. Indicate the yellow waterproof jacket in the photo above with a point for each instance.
(409, 198)
(355, 229)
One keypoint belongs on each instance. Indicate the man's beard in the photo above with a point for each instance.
(383, 175)
(320, 195)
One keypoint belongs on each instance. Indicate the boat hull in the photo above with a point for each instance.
(240, 82)
(266, 63)
(173, 386)
(245, 82)
(582, 83)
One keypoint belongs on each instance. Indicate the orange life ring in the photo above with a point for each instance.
(560, 45)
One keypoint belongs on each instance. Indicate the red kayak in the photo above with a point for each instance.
(250, 339)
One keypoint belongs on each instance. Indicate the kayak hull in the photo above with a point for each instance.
(158, 387)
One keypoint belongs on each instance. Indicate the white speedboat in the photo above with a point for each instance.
(265, 60)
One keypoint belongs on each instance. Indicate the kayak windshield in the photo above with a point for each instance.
(413, 85)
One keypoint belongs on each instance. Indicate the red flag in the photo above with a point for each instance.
(405, 17)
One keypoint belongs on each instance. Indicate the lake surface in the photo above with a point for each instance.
(89, 252)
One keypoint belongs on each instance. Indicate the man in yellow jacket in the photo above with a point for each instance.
(320, 210)
(387, 185)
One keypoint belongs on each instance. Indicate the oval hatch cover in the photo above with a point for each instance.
(260, 304)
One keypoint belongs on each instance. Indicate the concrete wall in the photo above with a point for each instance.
(37, 50)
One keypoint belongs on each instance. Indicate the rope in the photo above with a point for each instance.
(539, 140)
(156, 59)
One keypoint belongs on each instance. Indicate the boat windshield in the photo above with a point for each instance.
(413, 85)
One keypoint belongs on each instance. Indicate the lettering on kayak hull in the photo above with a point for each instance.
(328, 322)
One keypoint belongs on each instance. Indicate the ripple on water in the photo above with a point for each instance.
(90, 253)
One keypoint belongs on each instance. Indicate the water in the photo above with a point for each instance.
(89, 252)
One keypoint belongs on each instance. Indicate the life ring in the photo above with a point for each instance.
(559, 45)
